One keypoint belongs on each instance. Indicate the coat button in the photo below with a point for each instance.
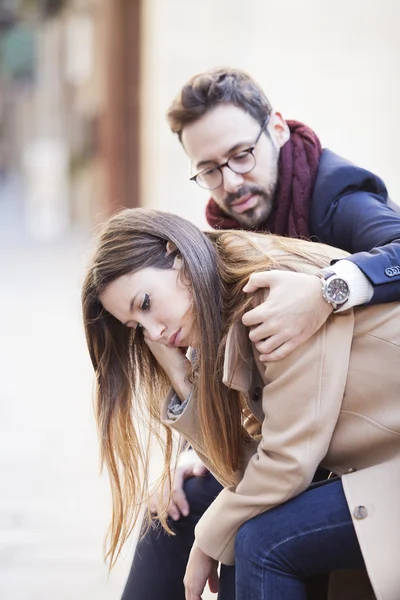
(360, 512)
(256, 394)
(392, 271)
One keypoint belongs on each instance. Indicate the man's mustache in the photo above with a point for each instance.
(245, 190)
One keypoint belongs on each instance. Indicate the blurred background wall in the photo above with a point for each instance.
(69, 87)
(84, 88)
(85, 85)
(334, 66)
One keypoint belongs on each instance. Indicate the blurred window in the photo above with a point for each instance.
(18, 53)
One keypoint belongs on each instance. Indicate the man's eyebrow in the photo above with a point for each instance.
(203, 163)
(132, 302)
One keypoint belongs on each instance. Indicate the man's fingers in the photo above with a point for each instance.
(256, 281)
(255, 316)
(268, 345)
(260, 333)
(282, 352)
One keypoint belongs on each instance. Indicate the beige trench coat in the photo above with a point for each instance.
(334, 401)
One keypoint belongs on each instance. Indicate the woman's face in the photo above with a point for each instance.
(154, 299)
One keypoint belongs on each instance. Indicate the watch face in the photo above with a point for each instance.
(337, 290)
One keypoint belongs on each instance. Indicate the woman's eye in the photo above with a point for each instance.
(146, 302)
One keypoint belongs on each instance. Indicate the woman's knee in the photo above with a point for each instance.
(250, 537)
(262, 535)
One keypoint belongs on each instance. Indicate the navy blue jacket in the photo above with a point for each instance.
(351, 210)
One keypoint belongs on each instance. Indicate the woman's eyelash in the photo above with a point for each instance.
(146, 302)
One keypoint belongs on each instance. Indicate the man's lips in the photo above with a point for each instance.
(244, 203)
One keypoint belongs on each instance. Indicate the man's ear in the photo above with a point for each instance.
(278, 129)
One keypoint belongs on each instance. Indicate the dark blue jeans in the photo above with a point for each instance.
(301, 534)
(279, 550)
(160, 559)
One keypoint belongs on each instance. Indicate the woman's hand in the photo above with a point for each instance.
(200, 569)
(188, 465)
(175, 365)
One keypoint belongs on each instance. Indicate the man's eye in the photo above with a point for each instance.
(242, 156)
(209, 172)
(146, 302)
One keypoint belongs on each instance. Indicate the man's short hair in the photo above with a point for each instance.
(205, 91)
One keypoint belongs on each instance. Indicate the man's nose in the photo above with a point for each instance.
(232, 181)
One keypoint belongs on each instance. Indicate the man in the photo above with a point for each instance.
(266, 174)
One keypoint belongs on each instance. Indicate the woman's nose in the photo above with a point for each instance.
(154, 331)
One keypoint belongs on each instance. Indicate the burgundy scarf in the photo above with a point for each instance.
(297, 171)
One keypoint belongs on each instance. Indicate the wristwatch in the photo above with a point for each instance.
(335, 290)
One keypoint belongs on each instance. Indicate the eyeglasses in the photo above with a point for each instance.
(240, 163)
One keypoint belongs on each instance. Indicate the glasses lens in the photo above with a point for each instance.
(242, 162)
(210, 179)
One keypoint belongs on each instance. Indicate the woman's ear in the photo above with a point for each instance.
(171, 247)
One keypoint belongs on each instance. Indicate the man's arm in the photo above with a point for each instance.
(361, 223)
(370, 230)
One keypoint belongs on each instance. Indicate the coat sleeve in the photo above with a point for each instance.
(301, 405)
(364, 225)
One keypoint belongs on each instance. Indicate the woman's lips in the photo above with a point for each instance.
(174, 339)
(245, 203)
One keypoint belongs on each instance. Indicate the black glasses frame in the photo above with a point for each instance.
(219, 168)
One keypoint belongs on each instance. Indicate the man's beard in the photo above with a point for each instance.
(253, 217)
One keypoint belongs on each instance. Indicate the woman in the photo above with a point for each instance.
(158, 286)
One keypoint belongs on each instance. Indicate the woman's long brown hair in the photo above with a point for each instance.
(130, 386)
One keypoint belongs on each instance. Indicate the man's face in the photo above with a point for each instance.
(224, 132)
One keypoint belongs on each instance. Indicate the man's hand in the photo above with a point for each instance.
(188, 465)
(293, 311)
(200, 569)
